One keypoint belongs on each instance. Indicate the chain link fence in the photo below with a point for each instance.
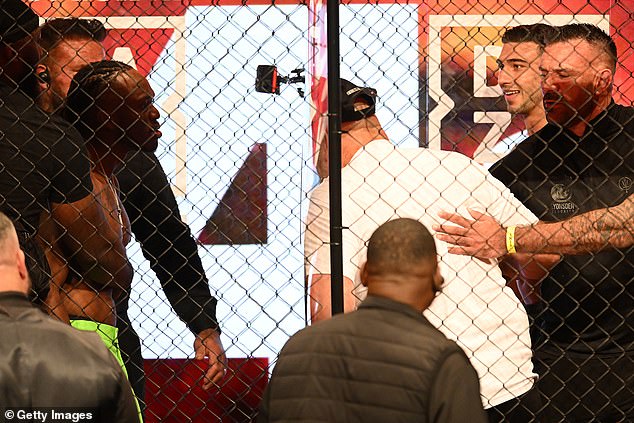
(242, 166)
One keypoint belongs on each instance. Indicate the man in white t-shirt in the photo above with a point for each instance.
(381, 182)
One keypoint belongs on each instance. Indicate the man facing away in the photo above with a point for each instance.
(382, 182)
(581, 162)
(166, 241)
(41, 355)
(384, 362)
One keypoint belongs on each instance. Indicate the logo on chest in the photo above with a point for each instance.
(561, 197)
(625, 183)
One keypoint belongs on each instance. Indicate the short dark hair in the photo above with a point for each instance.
(537, 33)
(398, 243)
(589, 33)
(54, 31)
(88, 85)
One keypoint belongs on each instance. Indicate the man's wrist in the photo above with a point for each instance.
(510, 240)
(202, 323)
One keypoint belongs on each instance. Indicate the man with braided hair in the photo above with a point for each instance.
(111, 104)
(166, 241)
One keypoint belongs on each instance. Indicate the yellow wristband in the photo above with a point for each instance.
(510, 240)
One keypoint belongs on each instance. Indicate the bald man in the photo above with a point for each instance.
(384, 362)
(41, 355)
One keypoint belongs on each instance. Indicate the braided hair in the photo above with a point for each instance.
(86, 89)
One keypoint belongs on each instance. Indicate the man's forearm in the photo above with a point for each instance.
(586, 233)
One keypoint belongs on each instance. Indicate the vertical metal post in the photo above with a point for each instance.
(334, 156)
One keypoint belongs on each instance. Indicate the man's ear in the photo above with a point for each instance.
(21, 264)
(603, 81)
(43, 78)
(438, 280)
(363, 275)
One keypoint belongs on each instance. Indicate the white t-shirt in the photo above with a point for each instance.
(476, 309)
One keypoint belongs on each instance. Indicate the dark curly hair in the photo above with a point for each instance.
(538, 33)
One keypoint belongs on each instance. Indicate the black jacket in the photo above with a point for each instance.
(382, 363)
(45, 363)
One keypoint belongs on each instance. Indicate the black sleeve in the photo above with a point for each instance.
(166, 240)
(455, 393)
(71, 181)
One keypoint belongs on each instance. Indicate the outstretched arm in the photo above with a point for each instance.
(590, 232)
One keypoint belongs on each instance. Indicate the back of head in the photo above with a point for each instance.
(358, 106)
(56, 30)
(536, 33)
(7, 234)
(592, 34)
(398, 245)
(357, 103)
(14, 273)
(85, 107)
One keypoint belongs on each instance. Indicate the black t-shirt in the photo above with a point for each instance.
(556, 174)
(42, 160)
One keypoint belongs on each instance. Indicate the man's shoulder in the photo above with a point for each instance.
(622, 111)
(528, 152)
(24, 122)
(320, 193)
(396, 334)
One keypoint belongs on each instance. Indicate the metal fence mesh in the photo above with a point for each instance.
(242, 164)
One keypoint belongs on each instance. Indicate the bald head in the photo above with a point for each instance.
(402, 263)
(8, 238)
(12, 265)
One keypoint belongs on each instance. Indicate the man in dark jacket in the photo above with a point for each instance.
(41, 355)
(43, 165)
(384, 362)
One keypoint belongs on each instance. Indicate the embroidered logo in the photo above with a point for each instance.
(560, 194)
(562, 204)
(625, 183)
